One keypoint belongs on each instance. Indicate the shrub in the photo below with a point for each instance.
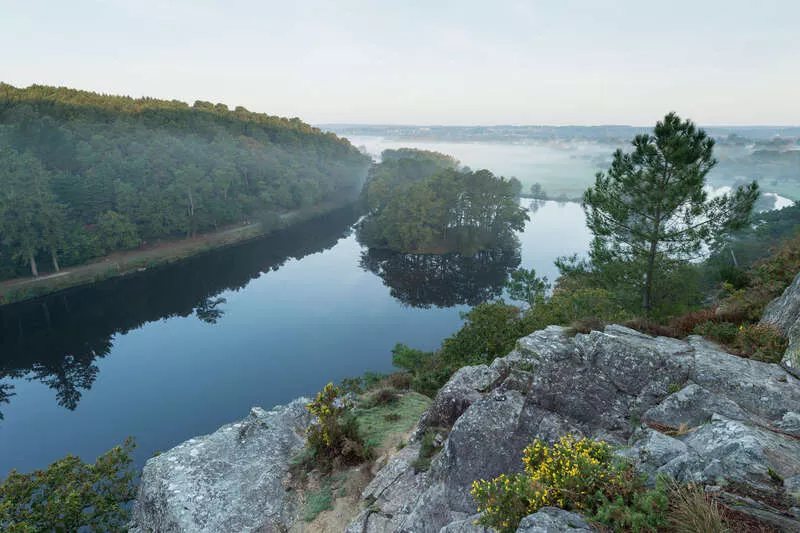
(723, 332)
(490, 331)
(398, 380)
(762, 343)
(71, 495)
(427, 449)
(427, 370)
(686, 324)
(585, 325)
(650, 327)
(581, 475)
(334, 438)
(382, 396)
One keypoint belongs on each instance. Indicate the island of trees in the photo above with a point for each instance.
(423, 202)
(84, 174)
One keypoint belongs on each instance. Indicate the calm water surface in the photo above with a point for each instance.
(179, 351)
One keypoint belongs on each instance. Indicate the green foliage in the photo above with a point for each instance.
(578, 475)
(70, 495)
(428, 372)
(69, 158)
(317, 502)
(116, 232)
(754, 341)
(419, 202)
(490, 330)
(644, 510)
(334, 438)
(649, 209)
(526, 286)
(427, 449)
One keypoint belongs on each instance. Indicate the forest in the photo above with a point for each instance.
(422, 202)
(86, 174)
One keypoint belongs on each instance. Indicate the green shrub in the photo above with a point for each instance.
(398, 380)
(382, 396)
(759, 342)
(579, 475)
(71, 495)
(334, 438)
(426, 451)
(317, 502)
(762, 343)
(490, 330)
(723, 332)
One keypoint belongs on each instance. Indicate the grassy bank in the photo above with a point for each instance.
(150, 256)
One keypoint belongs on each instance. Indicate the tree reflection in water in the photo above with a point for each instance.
(446, 280)
(57, 339)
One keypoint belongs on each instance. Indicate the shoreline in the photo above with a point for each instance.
(118, 264)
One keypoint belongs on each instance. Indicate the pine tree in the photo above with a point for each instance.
(650, 210)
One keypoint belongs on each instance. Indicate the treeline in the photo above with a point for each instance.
(421, 202)
(84, 174)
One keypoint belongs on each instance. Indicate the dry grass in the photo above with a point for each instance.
(692, 511)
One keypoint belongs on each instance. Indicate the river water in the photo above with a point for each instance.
(171, 353)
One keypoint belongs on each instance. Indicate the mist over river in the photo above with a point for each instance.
(171, 353)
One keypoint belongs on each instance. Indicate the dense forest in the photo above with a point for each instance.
(84, 174)
(422, 202)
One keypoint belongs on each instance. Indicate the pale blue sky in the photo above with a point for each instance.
(424, 62)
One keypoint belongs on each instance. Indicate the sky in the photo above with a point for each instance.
(462, 62)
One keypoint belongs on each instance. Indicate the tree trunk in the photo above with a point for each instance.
(647, 296)
(34, 268)
(55, 260)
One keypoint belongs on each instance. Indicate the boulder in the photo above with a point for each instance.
(784, 314)
(231, 480)
(465, 387)
(552, 520)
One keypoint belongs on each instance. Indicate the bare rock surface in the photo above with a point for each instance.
(784, 314)
(552, 520)
(230, 480)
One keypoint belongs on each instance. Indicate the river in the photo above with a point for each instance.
(177, 351)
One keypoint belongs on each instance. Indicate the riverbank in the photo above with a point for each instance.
(147, 257)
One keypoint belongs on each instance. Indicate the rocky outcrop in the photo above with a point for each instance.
(684, 408)
(231, 480)
(784, 314)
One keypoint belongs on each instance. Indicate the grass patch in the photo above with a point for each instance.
(427, 449)
(378, 422)
(322, 499)
(317, 502)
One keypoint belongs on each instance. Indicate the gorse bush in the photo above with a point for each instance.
(71, 495)
(581, 475)
(334, 438)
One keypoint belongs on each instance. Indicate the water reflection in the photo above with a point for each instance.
(57, 339)
(444, 280)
